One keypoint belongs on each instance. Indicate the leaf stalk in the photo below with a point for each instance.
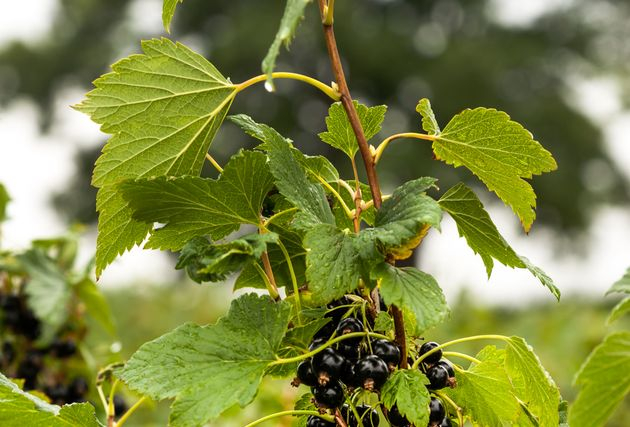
(328, 418)
(331, 92)
(383, 145)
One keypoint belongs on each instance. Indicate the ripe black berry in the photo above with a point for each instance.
(305, 374)
(78, 389)
(371, 372)
(433, 357)
(446, 423)
(448, 367)
(438, 377)
(314, 421)
(327, 364)
(8, 354)
(368, 416)
(349, 351)
(388, 351)
(120, 406)
(348, 377)
(338, 308)
(396, 419)
(348, 326)
(63, 348)
(326, 331)
(318, 342)
(437, 411)
(330, 395)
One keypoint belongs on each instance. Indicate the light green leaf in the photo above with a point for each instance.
(318, 166)
(304, 403)
(4, 201)
(21, 409)
(622, 285)
(290, 175)
(162, 108)
(168, 10)
(117, 230)
(429, 123)
(605, 381)
(340, 134)
(335, 261)
(406, 388)
(413, 290)
(500, 152)
(48, 290)
(476, 226)
(532, 384)
(485, 392)
(619, 310)
(192, 206)
(210, 262)
(96, 305)
(293, 14)
(210, 368)
(383, 322)
(404, 218)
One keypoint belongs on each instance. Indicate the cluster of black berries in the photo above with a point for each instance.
(440, 374)
(23, 357)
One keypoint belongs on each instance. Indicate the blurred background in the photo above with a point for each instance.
(559, 67)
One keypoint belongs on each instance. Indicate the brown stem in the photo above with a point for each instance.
(364, 149)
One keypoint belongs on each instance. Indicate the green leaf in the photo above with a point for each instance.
(304, 403)
(406, 388)
(117, 230)
(404, 218)
(476, 226)
(622, 285)
(162, 108)
(20, 409)
(318, 166)
(500, 152)
(335, 261)
(96, 304)
(168, 10)
(429, 123)
(210, 262)
(619, 310)
(301, 336)
(532, 384)
(485, 392)
(383, 322)
(192, 206)
(413, 290)
(48, 290)
(605, 381)
(210, 368)
(293, 14)
(4, 201)
(340, 134)
(290, 175)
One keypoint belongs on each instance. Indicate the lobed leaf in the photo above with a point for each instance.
(406, 388)
(619, 310)
(605, 381)
(429, 123)
(168, 10)
(340, 134)
(207, 369)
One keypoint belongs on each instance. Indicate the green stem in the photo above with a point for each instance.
(328, 418)
(130, 411)
(383, 145)
(214, 163)
(334, 192)
(101, 394)
(296, 289)
(458, 341)
(331, 92)
(329, 13)
(461, 356)
(273, 291)
(455, 406)
(278, 214)
(325, 345)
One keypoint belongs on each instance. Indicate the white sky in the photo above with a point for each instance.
(23, 149)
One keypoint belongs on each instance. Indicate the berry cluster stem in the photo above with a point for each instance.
(364, 148)
(285, 413)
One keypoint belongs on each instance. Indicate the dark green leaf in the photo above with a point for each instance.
(429, 123)
(406, 388)
(412, 290)
(208, 369)
(96, 305)
(604, 379)
(340, 134)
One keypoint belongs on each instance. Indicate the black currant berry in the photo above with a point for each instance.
(396, 419)
(433, 357)
(120, 406)
(78, 389)
(438, 377)
(338, 308)
(318, 342)
(327, 365)
(348, 377)
(63, 348)
(325, 331)
(448, 367)
(314, 421)
(305, 374)
(436, 411)
(388, 351)
(58, 393)
(371, 372)
(348, 326)
(368, 416)
(8, 354)
(446, 422)
(330, 395)
(349, 351)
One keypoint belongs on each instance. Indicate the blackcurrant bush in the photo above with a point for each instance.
(314, 421)
(436, 411)
(328, 364)
(348, 326)
(433, 357)
(388, 351)
(371, 372)
(368, 416)
(396, 419)
(330, 395)
(305, 374)
(438, 377)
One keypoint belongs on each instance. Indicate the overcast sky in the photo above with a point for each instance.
(23, 149)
